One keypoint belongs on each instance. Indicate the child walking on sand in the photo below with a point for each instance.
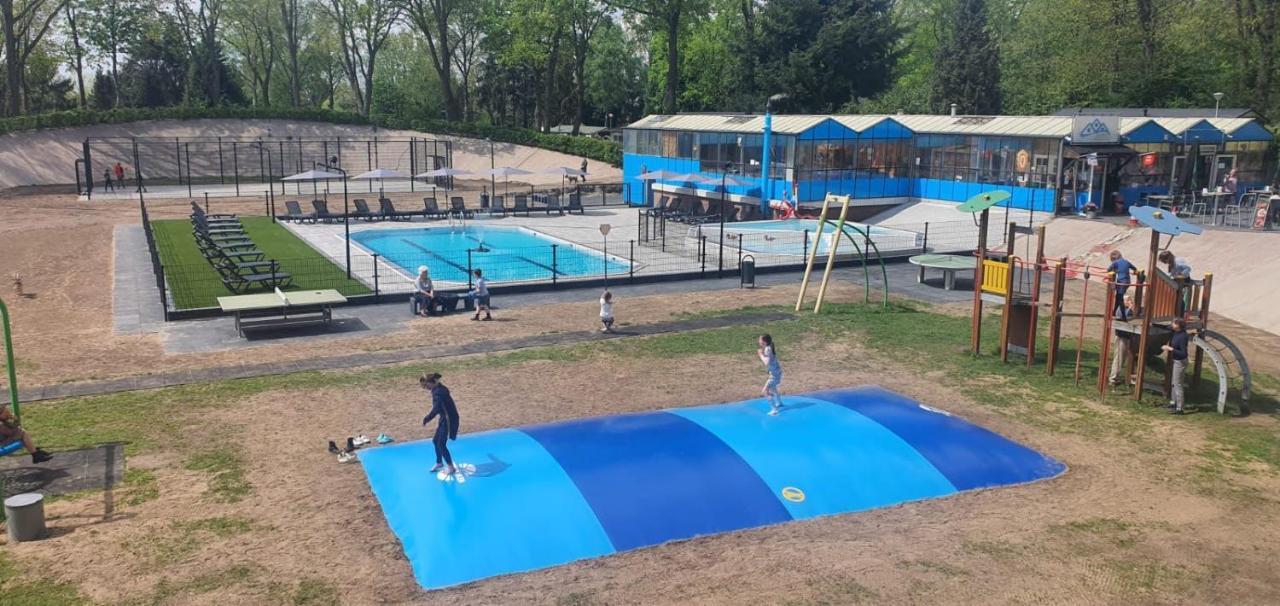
(769, 356)
(606, 312)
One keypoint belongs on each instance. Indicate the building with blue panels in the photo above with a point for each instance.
(1048, 163)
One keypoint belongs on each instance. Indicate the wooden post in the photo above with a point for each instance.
(1108, 321)
(1147, 297)
(975, 337)
(1034, 321)
(1055, 314)
(1204, 323)
(1006, 314)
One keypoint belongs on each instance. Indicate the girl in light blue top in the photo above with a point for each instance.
(769, 356)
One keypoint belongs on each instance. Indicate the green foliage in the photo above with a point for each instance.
(967, 63)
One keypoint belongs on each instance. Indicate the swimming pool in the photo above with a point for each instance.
(795, 237)
(505, 254)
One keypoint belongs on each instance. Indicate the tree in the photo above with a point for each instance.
(826, 53)
(665, 16)
(584, 17)
(467, 30)
(253, 32)
(292, 25)
(76, 50)
(615, 75)
(199, 21)
(967, 64)
(435, 19)
(155, 74)
(23, 24)
(363, 27)
(111, 26)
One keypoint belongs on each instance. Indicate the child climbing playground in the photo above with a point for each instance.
(769, 356)
(11, 431)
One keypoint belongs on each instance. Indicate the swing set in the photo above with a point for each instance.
(840, 227)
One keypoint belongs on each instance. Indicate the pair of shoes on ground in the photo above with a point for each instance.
(450, 470)
(487, 317)
(40, 456)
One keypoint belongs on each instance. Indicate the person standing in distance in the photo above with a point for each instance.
(769, 356)
(442, 406)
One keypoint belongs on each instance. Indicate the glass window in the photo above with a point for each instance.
(685, 146)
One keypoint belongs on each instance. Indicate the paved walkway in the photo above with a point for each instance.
(340, 362)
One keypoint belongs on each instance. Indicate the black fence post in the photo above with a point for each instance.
(206, 203)
(222, 173)
(924, 248)
(187, 147)
(805, 250)
(235, 163)
(632, 261)
(377, 293)
(553, 264)
(702, 252)
(266, 203)
(470, 271)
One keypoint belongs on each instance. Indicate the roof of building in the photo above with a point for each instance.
(1159, 112)
(567, 129)
(1056, 126)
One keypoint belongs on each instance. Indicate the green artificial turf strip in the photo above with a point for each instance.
(194, 283)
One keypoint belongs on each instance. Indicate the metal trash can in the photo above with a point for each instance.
(747, 272)
(24, 515)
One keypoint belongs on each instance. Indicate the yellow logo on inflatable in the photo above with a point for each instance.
(793, 494)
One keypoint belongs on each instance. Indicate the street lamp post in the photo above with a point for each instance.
(271, 192)
(604, 231)
(346, 211)
(493, 188)
(728, 167)
(1217, 101)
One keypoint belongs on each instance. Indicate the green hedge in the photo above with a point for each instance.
(595, 149)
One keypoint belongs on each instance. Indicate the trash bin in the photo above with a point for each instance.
(747, 272)
(24, 515)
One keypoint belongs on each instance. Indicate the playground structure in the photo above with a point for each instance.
(1017, 284)
(11, 364)
(841, 228)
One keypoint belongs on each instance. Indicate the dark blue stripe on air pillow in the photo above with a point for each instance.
(657, 477)
(968, 455)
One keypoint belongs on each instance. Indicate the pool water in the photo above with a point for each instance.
(505, 254)
(788, 237)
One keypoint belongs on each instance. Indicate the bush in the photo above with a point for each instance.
(595, 149)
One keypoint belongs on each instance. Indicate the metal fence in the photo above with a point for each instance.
(157, 268)
(248, 163)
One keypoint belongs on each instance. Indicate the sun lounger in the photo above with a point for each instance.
(362, 210)
(553, 205)
(322, 212)
(294, 213)
(432, 209)
(237, 281)
(204, 241)
(521, 205)
(389, 212)
(458, 208)
(195, 206)
(575, 204)
(497, 207)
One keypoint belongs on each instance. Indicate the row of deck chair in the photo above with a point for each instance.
(521, 206)
(232, 253)
(683, 210)
(386, 211)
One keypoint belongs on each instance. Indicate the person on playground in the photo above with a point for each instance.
(606, 312)
(1126, 343)
(119, 173)
(1121, 271)
(1177, 349)
(424, 292)
(769, 356)
(1180, 271)
(447, 428)
(10, 431)
(106, 177)
(481, 294)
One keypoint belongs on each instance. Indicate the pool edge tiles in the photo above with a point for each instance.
(551, 494)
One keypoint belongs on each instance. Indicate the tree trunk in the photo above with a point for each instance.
(673, 59)
(79, 56)
(580, 88)
(12, 66)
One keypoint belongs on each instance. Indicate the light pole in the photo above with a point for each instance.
(346, 212)
(604, 231)
(271, 191)
(728, 167)
(764, 153)
(608, 120)
(1217, 101)
(493, 188)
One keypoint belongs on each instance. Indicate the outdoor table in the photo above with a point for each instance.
(1160, 199)
(1216, 195)
(949, 264)
(281, 308)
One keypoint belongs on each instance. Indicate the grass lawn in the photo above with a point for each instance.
(194, 283)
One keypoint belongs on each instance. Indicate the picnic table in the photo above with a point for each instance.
(275, 309)
(949, 264)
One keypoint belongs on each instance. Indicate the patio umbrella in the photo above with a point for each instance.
(443, 172)
(505, 172)
(313, 176)
(381, 174)
(564, 171)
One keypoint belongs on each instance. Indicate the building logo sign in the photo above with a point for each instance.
(1095, 129)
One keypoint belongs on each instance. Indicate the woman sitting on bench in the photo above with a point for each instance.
(424, 293)
(11, 434)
